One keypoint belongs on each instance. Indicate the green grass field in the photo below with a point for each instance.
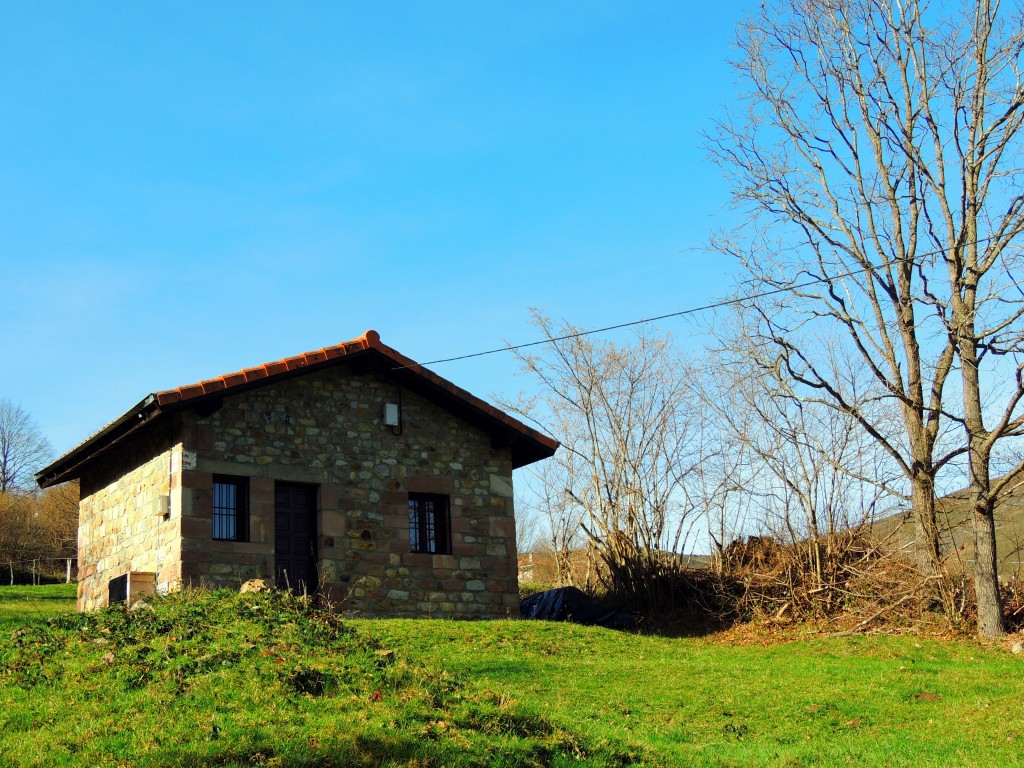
(21, 604)
(221, 679)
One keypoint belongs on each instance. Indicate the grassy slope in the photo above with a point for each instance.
(250, 680)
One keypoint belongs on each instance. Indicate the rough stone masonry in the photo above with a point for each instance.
(147, 502)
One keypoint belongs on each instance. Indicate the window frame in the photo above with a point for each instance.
(421, 515)
(235, 510)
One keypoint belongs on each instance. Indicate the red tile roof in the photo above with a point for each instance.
(231, 381)
(528, 445)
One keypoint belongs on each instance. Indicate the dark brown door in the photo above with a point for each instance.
(295, 537)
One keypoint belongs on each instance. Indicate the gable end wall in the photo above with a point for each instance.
(120, 525)
(326, 428)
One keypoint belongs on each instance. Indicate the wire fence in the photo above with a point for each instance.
(41, 569)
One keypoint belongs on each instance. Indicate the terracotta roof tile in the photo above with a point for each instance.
(230, 381)
(235, 379)
(165, 398)
(64, 467)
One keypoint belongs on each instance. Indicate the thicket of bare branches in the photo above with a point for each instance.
(625, 418)
(34, 527)
(873, 154)
(809, 471)
(849, 582)
(655, 447)
(38, 531)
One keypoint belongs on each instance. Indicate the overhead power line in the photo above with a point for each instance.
(684, 312)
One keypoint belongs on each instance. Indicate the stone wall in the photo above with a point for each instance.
(122, 526)
(326, 428)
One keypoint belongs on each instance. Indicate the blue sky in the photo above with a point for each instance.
(187, 189)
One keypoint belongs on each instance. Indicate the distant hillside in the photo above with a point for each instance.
(956, 532)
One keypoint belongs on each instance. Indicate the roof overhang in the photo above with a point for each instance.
(367, 352)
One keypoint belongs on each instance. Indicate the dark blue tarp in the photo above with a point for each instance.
(572, 604)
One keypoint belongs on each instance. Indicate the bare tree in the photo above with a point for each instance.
(528, 525)
(874, 156)
(622, 415)
(38, 531)
(23, 537)
(559, 522)
(58, 508)
(812, 473)
(978, 237)
(721, 485)
(23, 449)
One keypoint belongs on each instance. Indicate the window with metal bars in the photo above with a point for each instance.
(428, 524)
(230, 508)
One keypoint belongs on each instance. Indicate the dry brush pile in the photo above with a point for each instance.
(844, 583)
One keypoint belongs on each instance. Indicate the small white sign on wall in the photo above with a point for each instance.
(189, 459)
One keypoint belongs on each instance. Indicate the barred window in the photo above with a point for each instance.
(230, 508)
(429, 524)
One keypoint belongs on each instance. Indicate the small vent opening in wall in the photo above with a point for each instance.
(130, 586)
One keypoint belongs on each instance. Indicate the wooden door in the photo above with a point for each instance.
(295, 537)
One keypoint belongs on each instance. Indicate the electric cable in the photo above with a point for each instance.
(684, 312)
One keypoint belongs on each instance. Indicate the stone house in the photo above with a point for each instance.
(351, 471)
